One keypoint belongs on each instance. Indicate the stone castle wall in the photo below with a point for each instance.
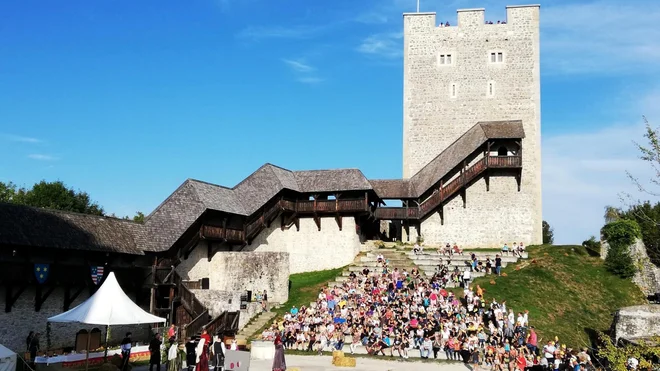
(310, 249)
(442, 101)
(236, 272)
(640, 321)
(15, 325)
(647, 275)
(503, 213)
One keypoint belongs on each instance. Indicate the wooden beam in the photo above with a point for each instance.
(296, 221)
(519, 178)
(338, 219)
(487, 176)
(209, 250)
(11, 296)
(41, 296)
(282, 220)
(317, 220)
(70, 297)
(464, 196)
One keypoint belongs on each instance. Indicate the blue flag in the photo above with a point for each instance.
(41, 272)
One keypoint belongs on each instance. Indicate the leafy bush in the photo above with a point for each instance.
(548, 233)
(592, 245)
(617, 357)
(620, 235)
(648, 218)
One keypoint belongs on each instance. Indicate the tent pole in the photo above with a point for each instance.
(89, 336)
(105, 356)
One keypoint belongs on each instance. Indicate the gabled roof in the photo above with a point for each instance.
(24, 226)
(465, 145)
(35, 227)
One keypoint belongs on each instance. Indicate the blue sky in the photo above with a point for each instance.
(127, 99)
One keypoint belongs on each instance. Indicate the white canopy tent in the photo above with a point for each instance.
(108, 306)
(7, 359)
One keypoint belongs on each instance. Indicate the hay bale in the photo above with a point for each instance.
(293, 369)
(345, 362)
(337, 355)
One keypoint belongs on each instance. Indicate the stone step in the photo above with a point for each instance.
(392, 260)
(474, 274)
(372, 269)
(427, 265)
(479, 255)
(459, 257)
(412, 353)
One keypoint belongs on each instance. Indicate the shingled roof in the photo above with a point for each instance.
(24, 226)
(465, 145)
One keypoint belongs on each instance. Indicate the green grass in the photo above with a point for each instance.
(305, 288)
(567, 291)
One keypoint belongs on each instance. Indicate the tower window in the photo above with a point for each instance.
(453, 90)
(491, 88)
(444, 59)
(496, 57)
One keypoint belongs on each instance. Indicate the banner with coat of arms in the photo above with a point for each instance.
(97, 274)
(41, 272)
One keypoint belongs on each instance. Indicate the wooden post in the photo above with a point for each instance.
(152, 303)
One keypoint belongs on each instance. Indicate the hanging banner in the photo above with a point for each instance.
(41, 272)
(97, 274)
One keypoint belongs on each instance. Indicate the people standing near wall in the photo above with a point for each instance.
(154, 349)
(218, 354)
(264, 301)
(279, 362)
(126, 345)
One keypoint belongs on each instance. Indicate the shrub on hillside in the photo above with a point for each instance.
(592, 245)
(647, 215)
(620, 235)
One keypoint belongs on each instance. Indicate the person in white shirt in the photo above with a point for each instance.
(466, 277)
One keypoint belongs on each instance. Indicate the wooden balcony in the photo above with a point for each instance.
(209, 232)
(450, 189)
(325, 206)
(397, 213)
(510, 162)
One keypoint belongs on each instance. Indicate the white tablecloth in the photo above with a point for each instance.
(82, 356)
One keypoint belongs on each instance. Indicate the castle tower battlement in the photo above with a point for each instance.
(468, 72)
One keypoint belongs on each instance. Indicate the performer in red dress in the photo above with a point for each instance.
(203, 352)
(279, 363)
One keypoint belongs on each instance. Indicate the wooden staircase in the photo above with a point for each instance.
(172, 298)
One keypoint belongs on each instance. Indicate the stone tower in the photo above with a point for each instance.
(455, 77)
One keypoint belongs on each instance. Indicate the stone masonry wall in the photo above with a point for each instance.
(647, 276)
(502, 211)
(442, 101)
(15, 325)
(239, 271)
(641, 321)
(310, 249)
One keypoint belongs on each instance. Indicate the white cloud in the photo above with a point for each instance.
(22, 139)
(386, 45)
(603, 36)
(298, 65)
(583, 172)
(42, 157)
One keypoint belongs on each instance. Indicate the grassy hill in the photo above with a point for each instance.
(567, 291)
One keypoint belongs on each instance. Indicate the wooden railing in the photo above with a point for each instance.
(449, 189)
(225, 322)
(188, 299)
(326, 206)
(220, 233)
(193, 285)
(397, 213)
(195, 326)
(504, 161)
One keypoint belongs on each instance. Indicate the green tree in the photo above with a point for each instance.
(646, 214)
(7, 192)
(620, 235)
(548, 234)
(139, 217)
(55, 195)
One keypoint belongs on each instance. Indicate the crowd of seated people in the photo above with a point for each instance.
(392, 312)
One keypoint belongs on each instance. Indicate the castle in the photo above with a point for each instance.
(471, 104)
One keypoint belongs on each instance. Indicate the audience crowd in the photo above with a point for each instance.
(391, 312)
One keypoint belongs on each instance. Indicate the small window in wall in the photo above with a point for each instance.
(496, 57)
(502, 151)
(444, 59)
(453, 90)
(491, 88)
